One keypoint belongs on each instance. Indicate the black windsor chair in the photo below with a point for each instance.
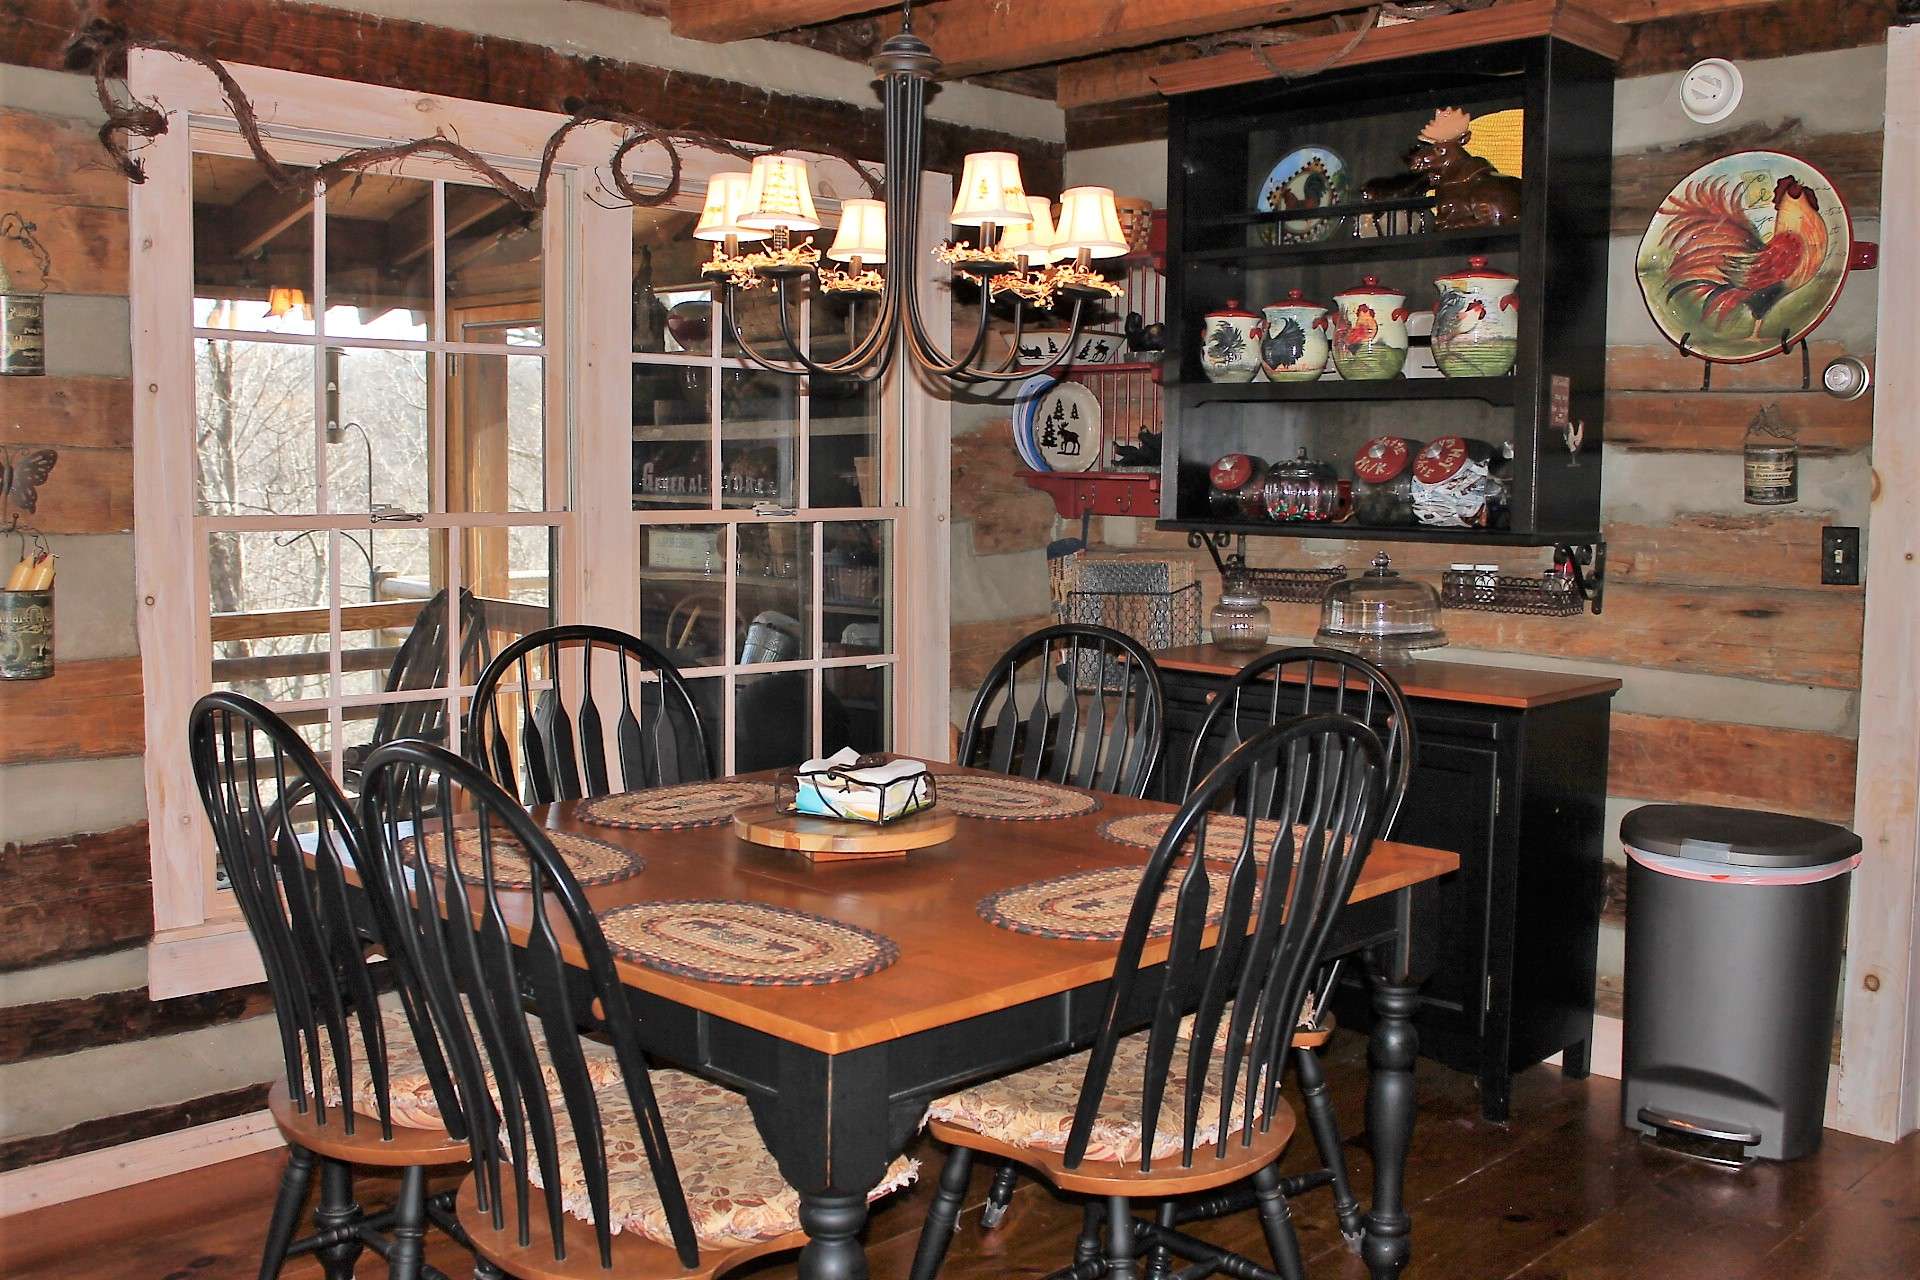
(1270, 690)
(358, 1088)
(421, 663)
(1216, 1090)
(1033, 695)
(572, 1177)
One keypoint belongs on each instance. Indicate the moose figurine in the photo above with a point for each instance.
(1468, 191)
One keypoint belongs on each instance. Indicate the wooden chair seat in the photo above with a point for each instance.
(410, 1089)
(1119, 1178)
(735, 1191)
(1028, 1116)
(634, 1256)
(1316, 1027)
(366, 1144)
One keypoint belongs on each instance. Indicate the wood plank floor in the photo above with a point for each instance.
(1562, 1193)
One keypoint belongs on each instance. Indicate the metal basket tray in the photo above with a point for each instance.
(1550, 595)
(902, 798)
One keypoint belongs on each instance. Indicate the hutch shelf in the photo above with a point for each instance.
(1223, 145)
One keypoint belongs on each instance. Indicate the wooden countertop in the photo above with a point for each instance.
(1516, 687)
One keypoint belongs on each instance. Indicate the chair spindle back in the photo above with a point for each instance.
(1073, 703)
(1274, 913)
(1323, 680)
(453, 930)
(560, 677)
(273, 807)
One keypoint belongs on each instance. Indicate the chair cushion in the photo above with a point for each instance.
(1034, 1108)
(735, 1192)
(410, 1092)
(1309, 1019)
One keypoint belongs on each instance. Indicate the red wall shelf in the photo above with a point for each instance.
(1100, 493)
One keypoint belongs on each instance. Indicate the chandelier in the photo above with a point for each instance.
(760, 220)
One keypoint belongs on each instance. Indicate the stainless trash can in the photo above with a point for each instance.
(1735, 924)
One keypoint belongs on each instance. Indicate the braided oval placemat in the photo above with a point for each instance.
(1224, 833)
(591, 861)
(1088, 906)
(973, 795)
(745, 943)
(687, 804)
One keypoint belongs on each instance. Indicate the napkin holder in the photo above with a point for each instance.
(867, 789)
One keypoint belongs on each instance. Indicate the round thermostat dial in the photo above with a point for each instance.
(1710, 90)
(1848, 378)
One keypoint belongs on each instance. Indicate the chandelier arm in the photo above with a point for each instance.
(857, 364)
(1019, 375)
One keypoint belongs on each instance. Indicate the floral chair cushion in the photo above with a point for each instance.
(735, 1192)
(1033, 1109)
(410, 1092)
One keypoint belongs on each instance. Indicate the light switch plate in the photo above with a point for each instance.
(1840, 556)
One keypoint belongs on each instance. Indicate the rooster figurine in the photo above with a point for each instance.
(1720, 257)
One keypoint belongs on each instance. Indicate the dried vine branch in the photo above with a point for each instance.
(102, 48)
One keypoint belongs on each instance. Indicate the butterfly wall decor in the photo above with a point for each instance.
(21, 475)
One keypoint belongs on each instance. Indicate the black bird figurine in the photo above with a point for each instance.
(1142, 336)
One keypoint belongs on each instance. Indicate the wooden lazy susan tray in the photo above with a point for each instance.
(827, 840)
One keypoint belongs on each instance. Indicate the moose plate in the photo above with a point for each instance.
(1065, 428)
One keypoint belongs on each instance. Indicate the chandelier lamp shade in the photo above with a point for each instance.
(760, 222)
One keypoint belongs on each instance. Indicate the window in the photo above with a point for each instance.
(766, 509)
(384, 428)
(380, 461)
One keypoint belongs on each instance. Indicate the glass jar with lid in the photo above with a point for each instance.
(1381, 615)
(1240, 622)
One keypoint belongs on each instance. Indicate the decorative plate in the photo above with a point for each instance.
(1024, 402)
(1064, 425)
(1745, 257)
(1309, 177)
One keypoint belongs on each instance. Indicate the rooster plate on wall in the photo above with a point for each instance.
(1746, 256)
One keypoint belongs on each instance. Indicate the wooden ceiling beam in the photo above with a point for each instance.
(1121, 77)
(723, 20)
(262, 214)
(976, 36)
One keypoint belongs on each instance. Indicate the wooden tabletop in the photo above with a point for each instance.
(1518, 687)
(952, 964)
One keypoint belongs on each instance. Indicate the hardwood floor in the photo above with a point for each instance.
(1562, 1193)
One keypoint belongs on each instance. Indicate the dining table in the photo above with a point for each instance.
(839, 1070)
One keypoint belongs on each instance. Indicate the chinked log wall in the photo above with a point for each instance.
(1741, 669)
(63, 896)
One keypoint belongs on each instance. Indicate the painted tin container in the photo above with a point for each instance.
(1476, 327)
(1295, 346)
(1230, 352)
(1370, 331)
(26, 635)
(1461, 483)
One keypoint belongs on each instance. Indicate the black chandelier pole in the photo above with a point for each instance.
(904, 65)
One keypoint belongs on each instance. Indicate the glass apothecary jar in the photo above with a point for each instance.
(1240, 622)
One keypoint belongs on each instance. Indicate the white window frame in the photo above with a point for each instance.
(199, 944)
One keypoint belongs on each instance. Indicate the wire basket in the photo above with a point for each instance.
(1157, 619)
(849, 798)
(1294, 586)
(1551, 595)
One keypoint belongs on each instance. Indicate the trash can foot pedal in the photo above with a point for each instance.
(1708, 1140)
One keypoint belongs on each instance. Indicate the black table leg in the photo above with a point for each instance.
(833, 1130)
(1390, 1099)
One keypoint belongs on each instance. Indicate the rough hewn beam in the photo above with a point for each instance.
(972, 36)
(416, 56)
(722, 20)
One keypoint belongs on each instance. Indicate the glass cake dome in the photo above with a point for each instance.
(1381, 615)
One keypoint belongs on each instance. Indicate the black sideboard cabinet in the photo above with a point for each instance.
(1512, 776)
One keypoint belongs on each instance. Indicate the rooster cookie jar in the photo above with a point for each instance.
(1369, 331)
(1230, 352)
(1476, 327)
(1295, 346)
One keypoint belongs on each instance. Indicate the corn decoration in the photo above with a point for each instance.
(26, 603)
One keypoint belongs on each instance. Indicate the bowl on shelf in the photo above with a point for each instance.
(1040, 347)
